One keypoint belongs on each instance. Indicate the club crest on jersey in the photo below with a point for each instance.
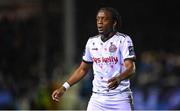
(112, 48)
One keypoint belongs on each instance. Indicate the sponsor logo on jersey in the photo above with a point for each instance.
(95, 49)
(112, 48)
(109, 59)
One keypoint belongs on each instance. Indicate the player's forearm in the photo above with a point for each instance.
(130, 70)
(77, 76)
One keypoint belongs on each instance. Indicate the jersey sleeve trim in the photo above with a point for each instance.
(88, 62)
(133, 59)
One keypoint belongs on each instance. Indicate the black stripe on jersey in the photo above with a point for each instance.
(133, 59)
(87, 62)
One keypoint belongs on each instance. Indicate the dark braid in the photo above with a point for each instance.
(115, 16)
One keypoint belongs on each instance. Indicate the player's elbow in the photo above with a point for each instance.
(130, 65)
(133, 68)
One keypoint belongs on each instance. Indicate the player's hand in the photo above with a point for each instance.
(113, 83)
(58, 93)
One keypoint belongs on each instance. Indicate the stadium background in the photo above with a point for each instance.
(42, 41)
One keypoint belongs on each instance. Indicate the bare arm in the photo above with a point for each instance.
(78, 74)
(130, 69)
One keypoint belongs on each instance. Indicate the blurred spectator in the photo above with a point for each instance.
(157, 80)
(6, 97)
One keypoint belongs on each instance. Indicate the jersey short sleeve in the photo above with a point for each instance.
(86, 55)
(127, 49)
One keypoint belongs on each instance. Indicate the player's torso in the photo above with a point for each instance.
(106, 56)
(107, 63)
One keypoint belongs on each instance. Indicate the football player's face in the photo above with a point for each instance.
(104, 22)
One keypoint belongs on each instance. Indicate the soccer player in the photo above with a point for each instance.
(112, 55)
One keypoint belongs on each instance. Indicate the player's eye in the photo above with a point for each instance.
(103, 19)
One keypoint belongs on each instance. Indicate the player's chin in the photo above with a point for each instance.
(100, 31)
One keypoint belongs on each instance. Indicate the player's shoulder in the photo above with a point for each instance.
(122, 35)
(94, 37)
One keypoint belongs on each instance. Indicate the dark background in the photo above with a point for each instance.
(34, 45)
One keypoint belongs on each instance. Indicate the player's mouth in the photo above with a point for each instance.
(100, 29)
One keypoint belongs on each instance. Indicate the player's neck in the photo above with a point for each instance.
(105, 37)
